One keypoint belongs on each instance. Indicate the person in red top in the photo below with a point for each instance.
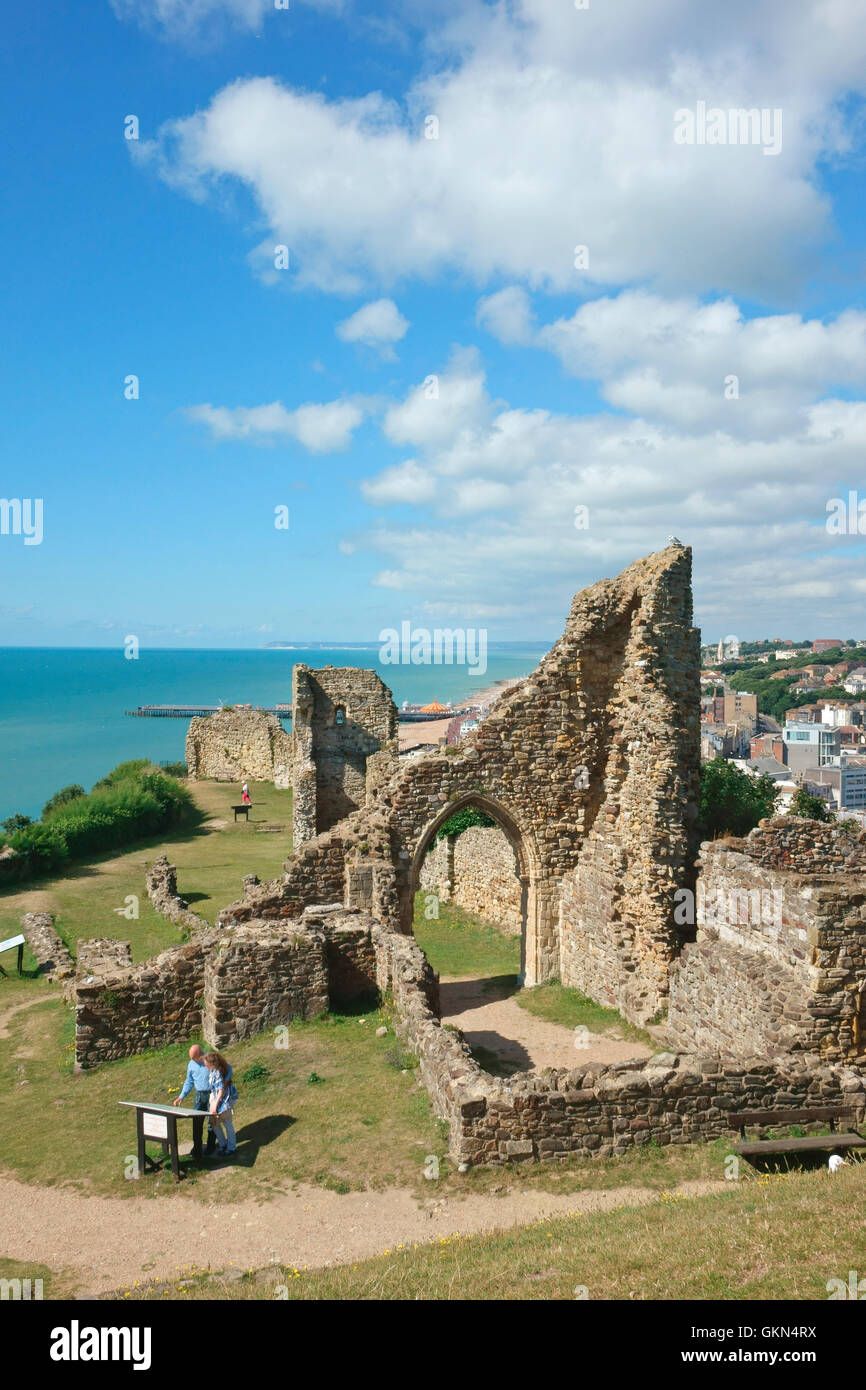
(245, 795)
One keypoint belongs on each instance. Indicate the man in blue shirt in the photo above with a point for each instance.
(198, 1079)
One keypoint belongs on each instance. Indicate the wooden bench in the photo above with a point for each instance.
(242, 810)
(7, 946)
(813, 1143)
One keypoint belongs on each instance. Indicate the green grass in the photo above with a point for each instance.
(211, 864)
(765, 1238)
(459, 943)
(557, 1003)
(54, 1284)
(364, 1125)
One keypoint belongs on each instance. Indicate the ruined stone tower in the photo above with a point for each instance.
(341, 717)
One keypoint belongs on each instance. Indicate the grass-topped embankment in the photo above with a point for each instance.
(763, 1238)
(212, 855)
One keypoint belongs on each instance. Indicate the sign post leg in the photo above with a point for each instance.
(172, 1140)
(142, 1152)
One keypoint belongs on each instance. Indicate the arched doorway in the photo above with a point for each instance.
(525, 867)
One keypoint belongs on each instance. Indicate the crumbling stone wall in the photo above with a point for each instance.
(234, 745)
(51, 956)
(122, 1013)
(477, 870)
(161, 880)
(258, 976)
(808, 846)
(222, 986)
(342, 716)
(102, 955)
(779, 964)
(589, 765)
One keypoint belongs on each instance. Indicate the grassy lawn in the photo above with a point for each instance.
(363, 1123)
(459, 943)
(211, 861)
(764, 1238)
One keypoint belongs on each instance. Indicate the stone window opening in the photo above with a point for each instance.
(340, 715)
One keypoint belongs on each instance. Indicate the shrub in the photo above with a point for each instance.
(61, 798)
(122, 773)
(13, 824)
(134, 801)
(462, 820)
(809, 807)
(733, 801)
(175, 769)
(42, 849)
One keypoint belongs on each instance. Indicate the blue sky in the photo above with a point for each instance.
(556, 386)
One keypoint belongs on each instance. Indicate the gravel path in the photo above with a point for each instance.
(491, 1019)
(106, 1243)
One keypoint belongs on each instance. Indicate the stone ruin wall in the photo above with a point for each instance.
(237, 745)
(161, 883)
(593, 761)
(223, 986)
(330, 778)
(779, 963)
(590, 1111)
(478, 871)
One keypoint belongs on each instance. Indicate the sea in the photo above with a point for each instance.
(63, 709)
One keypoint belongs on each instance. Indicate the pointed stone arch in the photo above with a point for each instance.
(526, 863)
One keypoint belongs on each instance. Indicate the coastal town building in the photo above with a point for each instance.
(810, 745)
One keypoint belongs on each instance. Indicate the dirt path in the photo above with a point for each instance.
(105, 1243)
(489, 1018)
(17, 1008)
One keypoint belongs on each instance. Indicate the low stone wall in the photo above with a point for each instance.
(52, 957)
(258, 976)
(808, 846)
(477, 870)
(233, 745)
(223, 985)
(126, 1012)
(596, 1111)
(161, 880)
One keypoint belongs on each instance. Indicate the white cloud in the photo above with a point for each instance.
(499, 486)
(507, 315)
(182, 19)
(555, 128)
(320, 428)
(378, 325)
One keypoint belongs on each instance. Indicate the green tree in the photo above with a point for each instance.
(809, 807)
(12, 824)
(733, 802)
